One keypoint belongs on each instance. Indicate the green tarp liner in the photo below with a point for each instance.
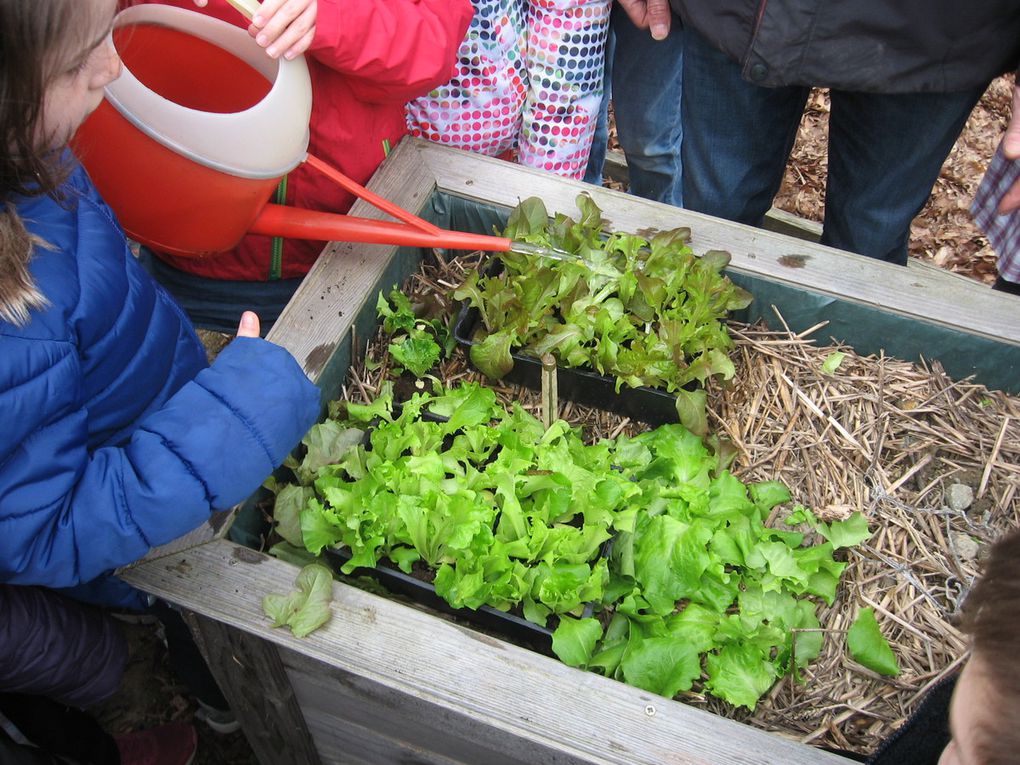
(868, 330)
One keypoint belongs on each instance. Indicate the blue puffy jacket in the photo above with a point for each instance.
(115, 433)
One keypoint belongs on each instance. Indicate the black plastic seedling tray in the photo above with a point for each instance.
(506, 624)
(514, 628)
(583, 386)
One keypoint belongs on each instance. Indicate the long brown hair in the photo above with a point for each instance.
(31, 33)
(991, 616)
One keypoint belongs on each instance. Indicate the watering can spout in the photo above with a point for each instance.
(295, 223)
(412, 231)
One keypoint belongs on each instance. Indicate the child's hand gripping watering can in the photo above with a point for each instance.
(193, 138)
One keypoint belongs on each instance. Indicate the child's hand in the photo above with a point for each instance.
(249, 325)
(1010, 201)
(284, 27)
(652, 15)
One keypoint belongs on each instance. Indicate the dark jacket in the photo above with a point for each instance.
(55, 647)
(882, 46)
(921, 739)
(116, 433)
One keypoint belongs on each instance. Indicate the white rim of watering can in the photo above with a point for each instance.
(234, 142)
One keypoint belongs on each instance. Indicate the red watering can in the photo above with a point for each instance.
(191, 141)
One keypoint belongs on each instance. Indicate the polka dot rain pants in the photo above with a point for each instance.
(528, 83)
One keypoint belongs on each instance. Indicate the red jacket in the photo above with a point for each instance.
(368, 58)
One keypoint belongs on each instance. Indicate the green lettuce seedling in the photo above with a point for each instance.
(701, 590)
(417, 344)
(697, 592)
(646, 311)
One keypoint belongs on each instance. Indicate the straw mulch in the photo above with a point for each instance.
(881, 436)
(888, 438)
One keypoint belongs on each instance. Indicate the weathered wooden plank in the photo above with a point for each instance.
(251, 675)
(925, 294)
(323, 310)
(345, 710)
(781, 222)
(408, 661)
(213, 528)
(351, 744)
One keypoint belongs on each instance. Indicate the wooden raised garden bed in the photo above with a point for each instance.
(386, 682)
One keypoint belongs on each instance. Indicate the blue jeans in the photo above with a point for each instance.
(600, 139)
(646, 84)
(885, 151)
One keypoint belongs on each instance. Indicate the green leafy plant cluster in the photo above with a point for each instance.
(505, 512)
(417, 344)
(646, 311)
(701, 589)
(698, 589)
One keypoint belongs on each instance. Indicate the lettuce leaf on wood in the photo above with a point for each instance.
(307, 609)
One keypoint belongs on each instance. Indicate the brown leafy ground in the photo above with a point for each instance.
(151, 695)
(943, 234)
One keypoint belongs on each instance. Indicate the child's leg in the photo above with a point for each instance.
(189, 665)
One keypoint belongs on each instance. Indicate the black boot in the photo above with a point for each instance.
(1004, 285)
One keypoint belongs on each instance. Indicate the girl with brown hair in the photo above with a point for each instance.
(117, 435)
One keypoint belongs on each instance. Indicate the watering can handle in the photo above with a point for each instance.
(246, 8)
(373, 199)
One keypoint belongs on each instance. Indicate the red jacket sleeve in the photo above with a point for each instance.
(391, 50)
